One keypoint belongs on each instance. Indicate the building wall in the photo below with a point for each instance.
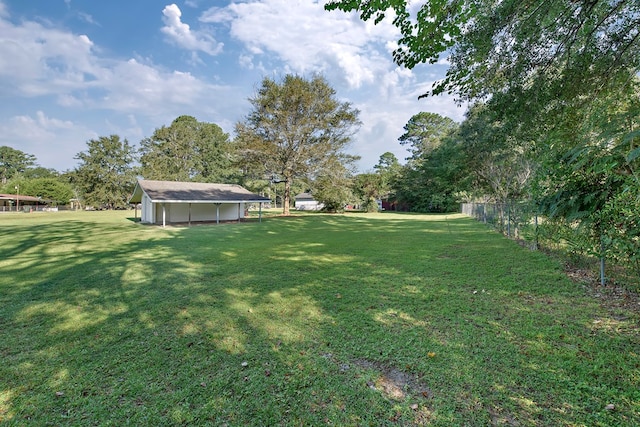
(147, 213)
(179, 212)
(308, 205)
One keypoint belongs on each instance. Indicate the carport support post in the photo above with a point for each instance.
(189, 214)
(260, 212)
(217, 213)
(164, 216)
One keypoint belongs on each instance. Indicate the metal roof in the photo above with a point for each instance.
(193, 192)
(20, 197)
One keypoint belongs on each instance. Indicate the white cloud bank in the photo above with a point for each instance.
(182, 35)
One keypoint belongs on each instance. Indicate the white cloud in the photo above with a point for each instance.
(132, 86)
(87, 18)
(54, 67)
(182, 35)
(36, 60)
(309, 39)
(40, 134)
(216, 15)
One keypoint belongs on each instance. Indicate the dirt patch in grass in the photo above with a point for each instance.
(622, 303)
(612, 296)
(393, 383)
(500, 419)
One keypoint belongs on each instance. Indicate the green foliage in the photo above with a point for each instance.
(388, 167)
(106, 175)
(432, 176)
(369, 187)
(188, 150)
(424, 37)
(13, 162)
(621, 231)
(333, 186)
(53, 191)
(40, 172)
(424, 133)
(542, 54)
(592, 170)
(497, 158)
(560, 121)
(296, 130)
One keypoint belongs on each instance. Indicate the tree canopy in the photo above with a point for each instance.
(187, 150)
(50, 190)
(424, 133)
(106, 175)
(12, 162)
(565, 48)
(297, 129)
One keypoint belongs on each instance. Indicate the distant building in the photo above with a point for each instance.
(9, 202)
(306, 202)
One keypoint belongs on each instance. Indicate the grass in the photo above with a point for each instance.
(356, 319)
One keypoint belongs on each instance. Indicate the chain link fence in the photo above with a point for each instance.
(520, 220)
(516, 220)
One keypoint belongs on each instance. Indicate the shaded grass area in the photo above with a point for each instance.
(358, 319)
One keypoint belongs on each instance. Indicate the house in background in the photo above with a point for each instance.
(15, 202)
(165, 202)
(306, 202)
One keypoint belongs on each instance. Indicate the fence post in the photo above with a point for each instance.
(508, 220)
(535, 233)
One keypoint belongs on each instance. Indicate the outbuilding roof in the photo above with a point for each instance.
(193, 192)
(304, 197)
(20, 197)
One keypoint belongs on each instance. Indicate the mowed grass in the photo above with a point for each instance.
(356, 319)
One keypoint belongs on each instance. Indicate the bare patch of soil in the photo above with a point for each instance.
(393, 383)
(612, 296)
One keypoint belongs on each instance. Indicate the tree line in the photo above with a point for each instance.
(294, 139)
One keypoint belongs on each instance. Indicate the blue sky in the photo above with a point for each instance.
(75, 70)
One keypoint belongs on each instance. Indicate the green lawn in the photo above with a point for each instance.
(356, 319)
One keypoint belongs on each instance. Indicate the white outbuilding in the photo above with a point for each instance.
(306, 202)
(170, 202)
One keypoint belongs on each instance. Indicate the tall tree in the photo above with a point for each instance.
(296, 129)
(332, 186)
(499, 164)
(106, 175)
(387, 164)
(370, 187)
(424, 132)
(187, 150)
(592, 177)
(389, 169)
(416, 186)
(13, 161)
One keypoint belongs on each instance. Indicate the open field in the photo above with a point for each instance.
(356, 319)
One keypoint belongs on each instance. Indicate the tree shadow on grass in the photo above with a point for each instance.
(279, 323)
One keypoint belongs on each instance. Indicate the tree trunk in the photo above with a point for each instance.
(287, 197)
